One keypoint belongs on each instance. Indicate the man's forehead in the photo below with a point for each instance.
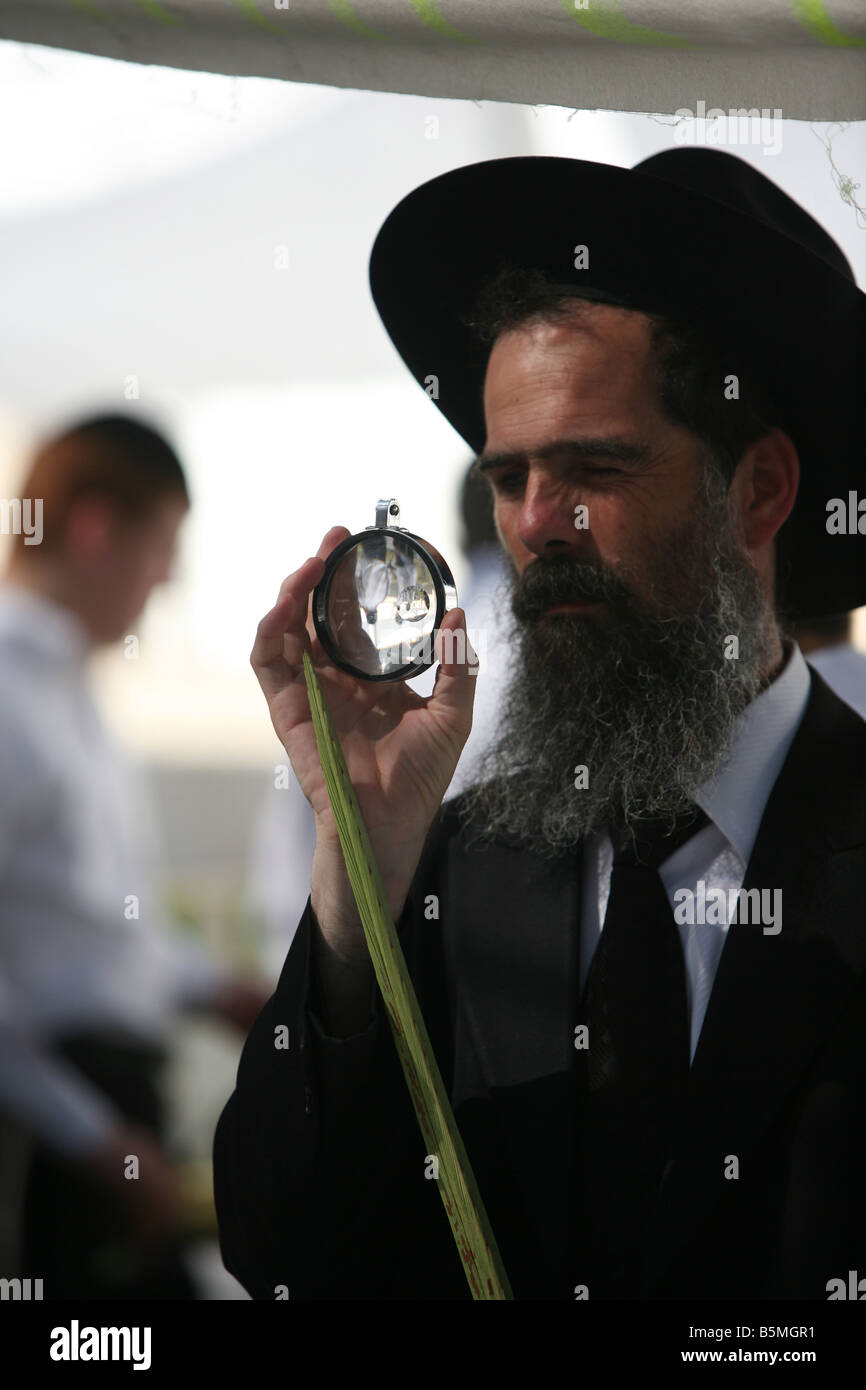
(557, 390)
(561, 368)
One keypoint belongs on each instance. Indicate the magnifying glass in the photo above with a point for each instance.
(382, 599)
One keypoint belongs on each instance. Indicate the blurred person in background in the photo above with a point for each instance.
(91, 978)
(828, 644)
(279, 863)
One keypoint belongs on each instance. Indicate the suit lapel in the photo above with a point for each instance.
(775, 997)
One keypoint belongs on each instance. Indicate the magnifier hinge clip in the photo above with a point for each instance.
(388, 513)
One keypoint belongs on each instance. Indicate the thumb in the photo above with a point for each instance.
(458, 662)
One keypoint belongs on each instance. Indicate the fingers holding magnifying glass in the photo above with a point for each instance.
(291, 615)
(280, 636)
(286, 631)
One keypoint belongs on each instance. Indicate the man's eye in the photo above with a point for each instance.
(513, 482)
(509, 482)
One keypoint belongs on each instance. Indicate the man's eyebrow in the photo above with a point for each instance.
(588, 446)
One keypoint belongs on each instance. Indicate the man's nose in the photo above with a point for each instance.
(547, 515)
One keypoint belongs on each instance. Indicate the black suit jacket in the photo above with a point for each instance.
(319, 1163)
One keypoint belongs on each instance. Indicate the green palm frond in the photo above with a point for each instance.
(476, 1244)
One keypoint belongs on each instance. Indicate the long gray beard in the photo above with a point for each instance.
(647, 704)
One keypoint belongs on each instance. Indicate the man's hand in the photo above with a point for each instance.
(400, 749)
(239, 1002)
(154, 1200)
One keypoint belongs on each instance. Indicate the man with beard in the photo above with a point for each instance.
(639, 641)
(658, 1101)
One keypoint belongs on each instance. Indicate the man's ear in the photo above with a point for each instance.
(765, 486)
(90, 525)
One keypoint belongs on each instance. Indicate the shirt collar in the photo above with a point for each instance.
(736, 798)
(42, 626)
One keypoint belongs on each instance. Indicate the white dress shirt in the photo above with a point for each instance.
(83, 943)
(719, 853)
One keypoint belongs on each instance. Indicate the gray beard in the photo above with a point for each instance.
(646, 704)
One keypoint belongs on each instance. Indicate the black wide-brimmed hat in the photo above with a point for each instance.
(692, 233)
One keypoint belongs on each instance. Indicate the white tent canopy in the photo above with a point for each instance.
(805, 59)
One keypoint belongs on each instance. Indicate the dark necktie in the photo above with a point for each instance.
(637, 1061)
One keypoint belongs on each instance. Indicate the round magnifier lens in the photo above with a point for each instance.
(380, 601)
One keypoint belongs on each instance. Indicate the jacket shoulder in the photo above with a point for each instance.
(823, 779)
